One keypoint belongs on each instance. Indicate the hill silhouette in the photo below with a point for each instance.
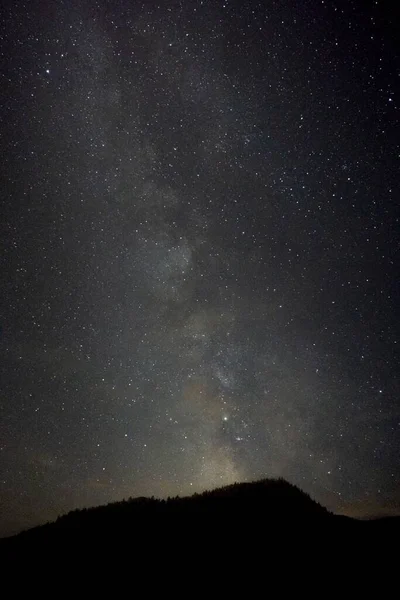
(238, 524)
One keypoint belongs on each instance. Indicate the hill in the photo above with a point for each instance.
(238, 524)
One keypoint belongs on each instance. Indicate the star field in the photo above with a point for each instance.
(199, 265)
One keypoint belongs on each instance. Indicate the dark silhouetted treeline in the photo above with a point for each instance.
(260, 523)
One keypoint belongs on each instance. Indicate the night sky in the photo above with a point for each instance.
(199, 251)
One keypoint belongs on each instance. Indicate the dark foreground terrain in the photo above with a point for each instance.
(260, 527)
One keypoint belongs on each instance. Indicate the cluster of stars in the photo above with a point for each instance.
(199, 237)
